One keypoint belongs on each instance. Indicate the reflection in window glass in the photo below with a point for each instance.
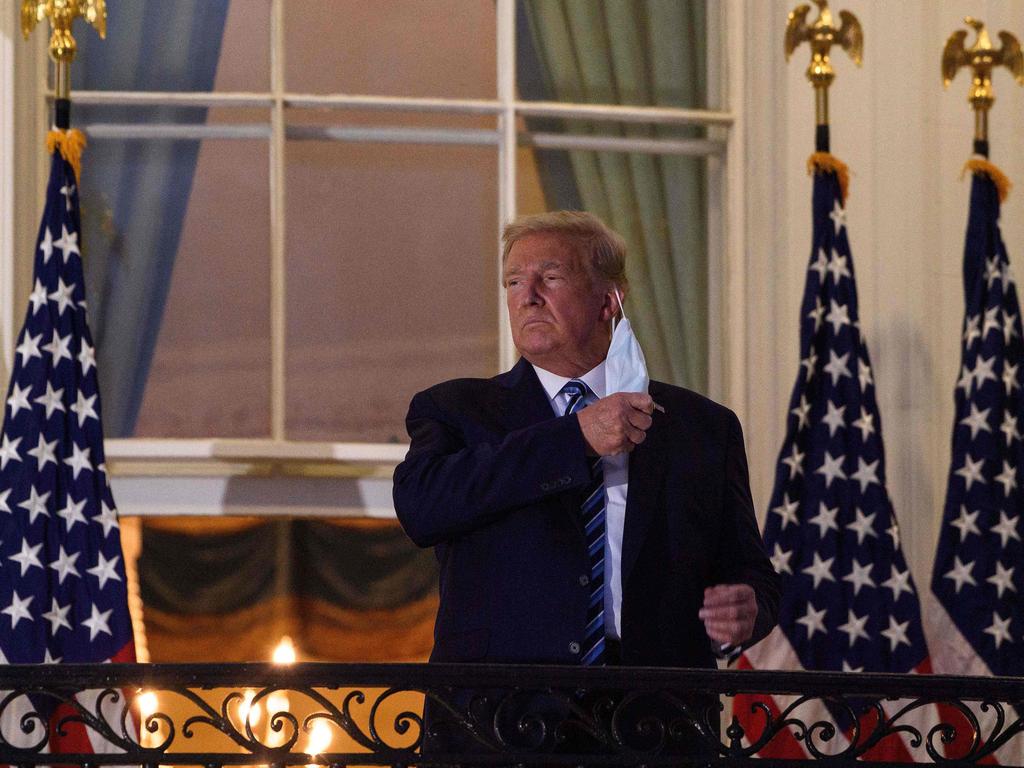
(637, 52)
(440, 48)
(176, 254)
(178, 45)
(392, 281)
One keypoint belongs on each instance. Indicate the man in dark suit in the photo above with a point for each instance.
(501, 472)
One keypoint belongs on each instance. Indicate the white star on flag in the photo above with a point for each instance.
(57, 616)
(787, 509)
(854, 627)
(820, 570)
(9, 450)
(58, 348)
(18, 399)
(896, 633)
(859, 576)
(28, 557)
(966, 523)
(72, 512)
(35, 505)
(813, 620)
(899, 583)
(64, 565)
(961, 574)
(98, 622)
(831, 468)
(971, 471)
(825, 519)
(105, 570)
(1002, 579)
(1000, 629)
(44, 452)
(837, 367)
(18, 609)
(863, 525)
(1006, 528)
(68, 243)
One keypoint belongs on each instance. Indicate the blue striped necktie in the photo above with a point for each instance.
(593, 518)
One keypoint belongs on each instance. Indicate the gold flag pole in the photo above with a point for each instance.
(822, 35)
(982, 58)
(62, 15)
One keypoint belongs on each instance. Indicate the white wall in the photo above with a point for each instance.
(905, 140)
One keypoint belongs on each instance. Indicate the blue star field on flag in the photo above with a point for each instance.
(63, 593)
(978, 576)
(848, 600)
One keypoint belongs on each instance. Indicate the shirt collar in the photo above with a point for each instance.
(553, 383)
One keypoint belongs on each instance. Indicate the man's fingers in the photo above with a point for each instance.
(639, 419)
(727, 594)
(726, 613)
(641, 401)
(635, 436)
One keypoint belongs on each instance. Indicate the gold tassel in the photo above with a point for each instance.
(984, 167)
(824, 162)
(71, 143)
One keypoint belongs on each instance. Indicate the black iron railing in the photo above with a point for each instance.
(348, 715)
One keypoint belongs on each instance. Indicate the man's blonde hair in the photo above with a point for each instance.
(601, 248)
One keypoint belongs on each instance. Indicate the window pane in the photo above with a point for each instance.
(392, 281)
(639, 52)
(442, 48)
(176, 255)
(177, 45)
(658, 204)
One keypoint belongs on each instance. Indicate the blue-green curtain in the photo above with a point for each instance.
(638, 52)
(135, 193)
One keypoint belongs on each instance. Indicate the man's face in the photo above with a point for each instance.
(559, 315)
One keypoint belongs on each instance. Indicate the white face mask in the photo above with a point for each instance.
(625, 367)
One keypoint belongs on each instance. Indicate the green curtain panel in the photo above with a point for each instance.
(638, 52)
(349, 590)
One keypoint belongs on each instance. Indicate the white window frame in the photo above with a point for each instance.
(173, 457)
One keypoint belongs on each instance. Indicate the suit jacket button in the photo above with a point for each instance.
(574, 648)
(584, 580)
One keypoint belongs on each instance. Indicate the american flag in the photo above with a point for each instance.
(977, 626)
(63, 594)
(848, 598)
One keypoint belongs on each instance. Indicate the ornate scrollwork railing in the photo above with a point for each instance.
(347, 715)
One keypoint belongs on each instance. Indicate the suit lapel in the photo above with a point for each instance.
(647, 464)
(526, 403)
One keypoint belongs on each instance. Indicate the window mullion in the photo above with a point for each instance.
(506, 54)
(278, 326)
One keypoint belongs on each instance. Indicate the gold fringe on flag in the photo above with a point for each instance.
(825, 162)
(71, 143)
(984, 167)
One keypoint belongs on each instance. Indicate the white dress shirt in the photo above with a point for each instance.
(616, 484)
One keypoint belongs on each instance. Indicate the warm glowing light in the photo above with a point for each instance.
(148, 703)
(276, 702)
(247, 712)
(319, 738)
(284, 653)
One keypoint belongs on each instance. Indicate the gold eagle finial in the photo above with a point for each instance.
(982, 58)
(62, 15)
(822, 35)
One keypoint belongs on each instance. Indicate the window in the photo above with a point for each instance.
(292, 214)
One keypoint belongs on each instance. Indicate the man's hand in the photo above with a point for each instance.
(729, 612)
(617, 423)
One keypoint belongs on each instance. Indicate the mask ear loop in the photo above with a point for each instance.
(622, 309)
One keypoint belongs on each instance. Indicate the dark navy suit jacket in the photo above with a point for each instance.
(493, 481)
